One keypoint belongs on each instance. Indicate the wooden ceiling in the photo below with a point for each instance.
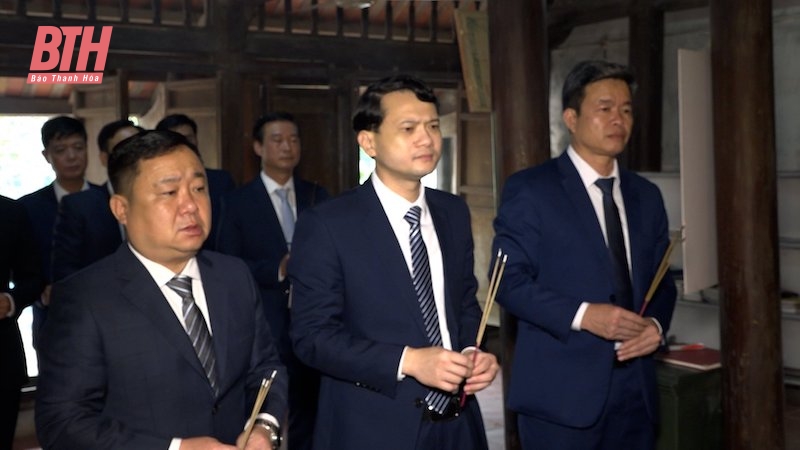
(400, 21)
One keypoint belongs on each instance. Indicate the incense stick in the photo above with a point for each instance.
(494, 282)
(262, 394)
(662, 270)
(497, 275)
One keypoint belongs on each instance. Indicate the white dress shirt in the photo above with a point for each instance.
(589, 176)
(271, 186)
(396, 207)
(161, 275)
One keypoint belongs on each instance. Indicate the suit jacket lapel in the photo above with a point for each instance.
(632, 207)
(445, 236)
(388, 254)
(138, 288)
(576, 192)
(221, 323)
(305, 194)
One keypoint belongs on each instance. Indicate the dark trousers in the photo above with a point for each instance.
(465, 432)
(9, 409)
(624, 423)
(303, 398)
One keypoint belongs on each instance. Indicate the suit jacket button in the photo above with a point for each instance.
(215, 408)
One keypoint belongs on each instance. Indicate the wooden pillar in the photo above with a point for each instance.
(746, 190)
(520, 95)
(238, 98)
(646, 56)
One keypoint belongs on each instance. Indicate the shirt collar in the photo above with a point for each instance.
(587, 173)
(271, 185)
(161, 274)
(61, 192)
(393, 203)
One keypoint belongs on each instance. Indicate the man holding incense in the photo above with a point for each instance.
(585, 239)
(383, 292)
(159, 345)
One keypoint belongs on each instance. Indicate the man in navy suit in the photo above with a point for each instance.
(159, 345)
(220, 182)
(64, 140)
(583, 376)
(256, 225)
(19, 262)
(85, 229)
(385, 326)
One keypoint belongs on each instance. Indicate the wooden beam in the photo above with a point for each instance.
(646, 56)
(378, 54)
(30, 105)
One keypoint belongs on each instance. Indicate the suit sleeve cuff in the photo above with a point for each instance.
(576, 321)
(400, 374)
(660, 329)
(269, 418)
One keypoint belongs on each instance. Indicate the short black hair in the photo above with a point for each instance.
(587, 72)
(175, 120)
(109, 130)
(61, 127)
(369, 114)
(277, 116)
(123, 163)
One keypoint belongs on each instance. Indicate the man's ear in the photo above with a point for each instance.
(257, 148)
(366, 140)
(46, 156)
(119, 207)
(570, 117)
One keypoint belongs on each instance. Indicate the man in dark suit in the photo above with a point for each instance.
(85, 229)
(256, 225)
(160, 344)
(580, 260)
(220, 182)
(384, 292)
(64, 140)
(19, 262)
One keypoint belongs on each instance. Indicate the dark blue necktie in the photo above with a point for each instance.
(196, 327)
(436, 400)
(623, 291)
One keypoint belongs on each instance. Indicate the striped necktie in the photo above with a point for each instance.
(196, 327)
(436, 400)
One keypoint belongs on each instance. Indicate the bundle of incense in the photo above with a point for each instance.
(494, 283)
(262, 394)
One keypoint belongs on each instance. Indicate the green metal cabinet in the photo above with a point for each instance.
(690, 407)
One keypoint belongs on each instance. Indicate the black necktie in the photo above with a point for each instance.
(623, 291)
(196, 327)
(423, 286)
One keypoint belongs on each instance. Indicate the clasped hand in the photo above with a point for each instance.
(445, 369)
(638, 335)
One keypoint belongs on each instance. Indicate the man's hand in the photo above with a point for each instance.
(259, 440)
(5, 305)
(204, 443)
(46, 295)
(612, 322)
(645, 343)
(437, 367)
(483, 373)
